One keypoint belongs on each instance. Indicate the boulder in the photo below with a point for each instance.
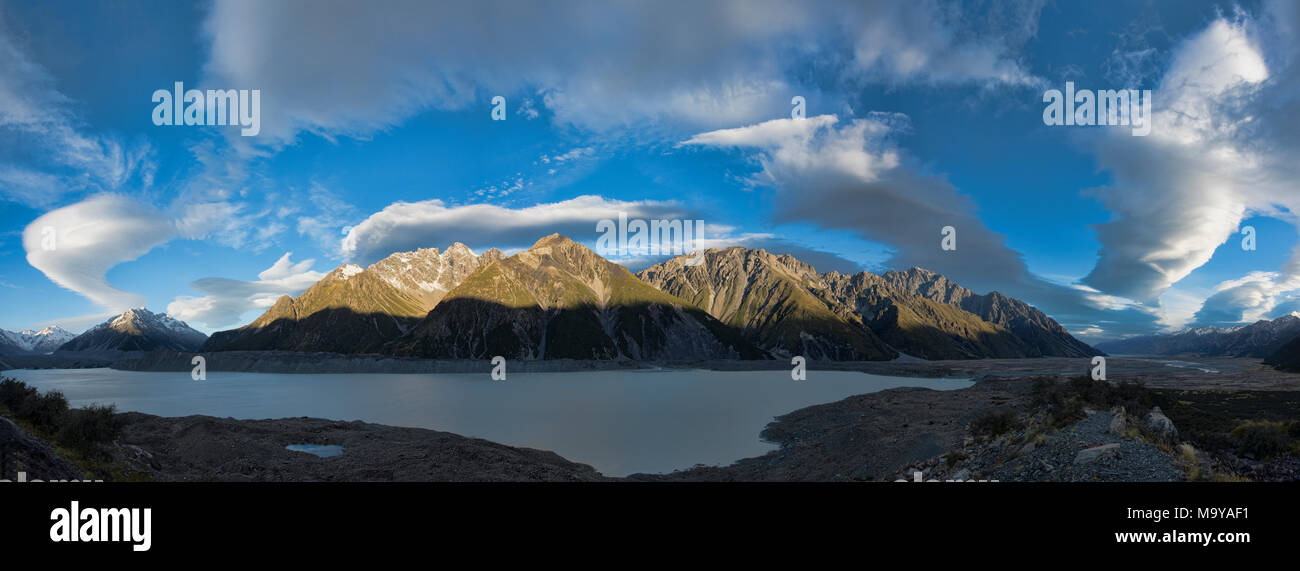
(21, 452)
(1160, 424)
(1096, 453)
(1118, 421)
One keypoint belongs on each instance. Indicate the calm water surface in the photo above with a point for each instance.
(620, 422)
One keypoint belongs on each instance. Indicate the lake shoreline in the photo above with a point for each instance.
(1211, 373)
(864, 437)
(621, 422)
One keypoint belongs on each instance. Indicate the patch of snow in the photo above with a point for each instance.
(348, 270)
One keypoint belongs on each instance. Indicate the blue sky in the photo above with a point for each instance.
(376, 136)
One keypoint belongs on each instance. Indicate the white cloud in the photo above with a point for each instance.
(91, 237)
(95, 235)
(773, 133)
(924, 41)
(348, 69)
(853, 177)
(1221, 149)
(573, 154)
(404, 226)
(225, 300)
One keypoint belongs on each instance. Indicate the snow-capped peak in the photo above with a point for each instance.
(346, 271)
(43, 341)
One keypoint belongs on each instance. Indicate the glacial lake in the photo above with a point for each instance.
(620, 422)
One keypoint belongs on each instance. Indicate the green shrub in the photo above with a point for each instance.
(995, 422)
(13, 393)
(1263, 440)
(43, 411)
(86, 428)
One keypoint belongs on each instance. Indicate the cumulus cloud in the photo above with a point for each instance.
(90, 238)
(225, 300)
(348, 69)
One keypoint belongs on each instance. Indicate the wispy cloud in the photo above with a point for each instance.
(57, 155)
(225, 300)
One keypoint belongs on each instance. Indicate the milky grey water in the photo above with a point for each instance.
(620, 422)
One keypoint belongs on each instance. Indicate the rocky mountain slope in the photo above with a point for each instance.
(1287, 357)
(1260, 339)
(46, 340)
(138, 330)
(771, 300)
(785, 306)
(559, 299)
(1042, 335)
(918, 326)
(355, 310)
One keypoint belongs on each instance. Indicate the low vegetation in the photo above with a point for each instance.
(82, 430)
(1266, 439)
(995, 422)
(1261, 424)
(1065, 401)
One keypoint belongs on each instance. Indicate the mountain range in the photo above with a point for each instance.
(785, 306)
(1260, 339)
(356, 310)
(137, 330)
(46, 340)
(559, 299)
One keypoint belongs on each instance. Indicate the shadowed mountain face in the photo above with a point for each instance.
(1042, 335)
(1263, 338)
(918, 326)
(352, 310)
(771, 300)
(1287, 357)
(785, 306)
(559, 299)
(137, 330)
